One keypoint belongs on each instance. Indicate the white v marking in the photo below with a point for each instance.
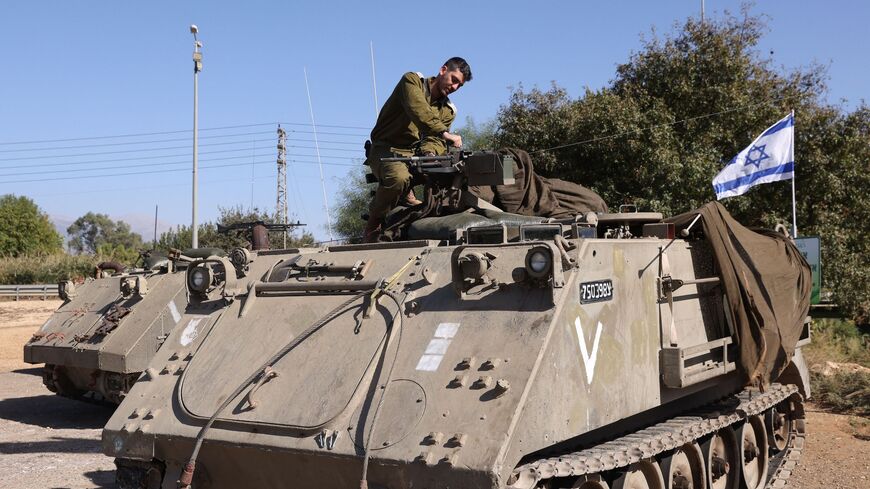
(588, 360)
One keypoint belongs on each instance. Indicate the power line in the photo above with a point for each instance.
(122, 151)
(180, 131)
(153, 157)
(145, 165)
(139, 165)
(654, 126)
(147, 187)
(128, 143)
(147, 172)
(171, 140)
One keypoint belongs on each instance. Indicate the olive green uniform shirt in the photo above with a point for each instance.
(410, 116)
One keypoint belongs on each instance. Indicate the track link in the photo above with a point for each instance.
(670, 434)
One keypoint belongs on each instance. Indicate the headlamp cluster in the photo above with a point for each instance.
(539, 262)
(200, 278)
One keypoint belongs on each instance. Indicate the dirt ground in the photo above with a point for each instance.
(50, 442)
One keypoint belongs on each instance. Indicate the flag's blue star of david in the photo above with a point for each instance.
(756, 155)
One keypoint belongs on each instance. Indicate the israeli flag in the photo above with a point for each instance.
(770, 158)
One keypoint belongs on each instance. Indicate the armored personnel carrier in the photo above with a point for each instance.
(609, 350)
(99, 341)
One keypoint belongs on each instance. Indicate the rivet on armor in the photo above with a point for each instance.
(490, 364)
(457, 440)
(458, 381)
(501, 387)
(151, 414)
(465, 364)
(484, 382)
(449, 459)
(433, 438)
(424, 457)
(150, 374)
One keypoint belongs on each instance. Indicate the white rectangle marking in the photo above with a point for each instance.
(446, 330)
(174, 311)
(437, 346)
(429, 363)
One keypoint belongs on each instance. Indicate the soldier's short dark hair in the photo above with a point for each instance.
(457, 63)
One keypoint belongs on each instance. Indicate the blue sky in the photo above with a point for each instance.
(86, 72)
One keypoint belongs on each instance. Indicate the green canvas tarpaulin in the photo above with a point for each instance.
(767, 285)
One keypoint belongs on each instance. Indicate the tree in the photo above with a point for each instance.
(92, 231)
(353, 203)
(25, 229)
(477, 136)
(181, 237)
(679, 109)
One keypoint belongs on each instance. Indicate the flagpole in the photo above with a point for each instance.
(793, 210)
(793, 200)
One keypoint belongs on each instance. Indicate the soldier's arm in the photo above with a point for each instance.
(436, 144)
(423, 115)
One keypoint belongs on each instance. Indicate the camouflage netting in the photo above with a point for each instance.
(767, 284)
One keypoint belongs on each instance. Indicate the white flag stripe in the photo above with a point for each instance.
(769, 158)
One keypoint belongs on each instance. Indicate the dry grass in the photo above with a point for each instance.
(847, 391)
(46, 269)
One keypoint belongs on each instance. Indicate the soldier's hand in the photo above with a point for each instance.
(453, 139)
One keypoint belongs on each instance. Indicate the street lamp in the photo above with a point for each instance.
(197, 67)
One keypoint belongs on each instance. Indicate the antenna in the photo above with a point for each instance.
(154, 245)
(317, 150)
(374, 80)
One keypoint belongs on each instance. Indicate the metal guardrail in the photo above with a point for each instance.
(35, 290)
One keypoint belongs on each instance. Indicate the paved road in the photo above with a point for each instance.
(47, 441)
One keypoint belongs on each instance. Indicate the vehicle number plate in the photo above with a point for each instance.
(598, 291)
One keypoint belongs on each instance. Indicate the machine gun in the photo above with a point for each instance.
(259, 230)
(448, 177)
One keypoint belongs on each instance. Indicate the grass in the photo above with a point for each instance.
(845, 392)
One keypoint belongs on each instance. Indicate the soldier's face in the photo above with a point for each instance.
(449, 81)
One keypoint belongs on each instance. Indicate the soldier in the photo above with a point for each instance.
(415, 119)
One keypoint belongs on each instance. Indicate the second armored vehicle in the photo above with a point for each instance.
(99, 341)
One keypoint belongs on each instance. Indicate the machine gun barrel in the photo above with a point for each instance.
(420, 159)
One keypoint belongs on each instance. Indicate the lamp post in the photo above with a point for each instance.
(197, 67)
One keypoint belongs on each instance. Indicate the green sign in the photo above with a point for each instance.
(810, 247)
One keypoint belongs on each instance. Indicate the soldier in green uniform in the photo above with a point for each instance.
(414, 120)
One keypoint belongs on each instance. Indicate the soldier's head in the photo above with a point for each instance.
(451, 76)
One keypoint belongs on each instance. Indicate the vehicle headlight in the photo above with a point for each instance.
(538, 262)
(200, 279)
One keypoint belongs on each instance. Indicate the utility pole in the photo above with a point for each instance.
(281, 203)
(197, 67)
